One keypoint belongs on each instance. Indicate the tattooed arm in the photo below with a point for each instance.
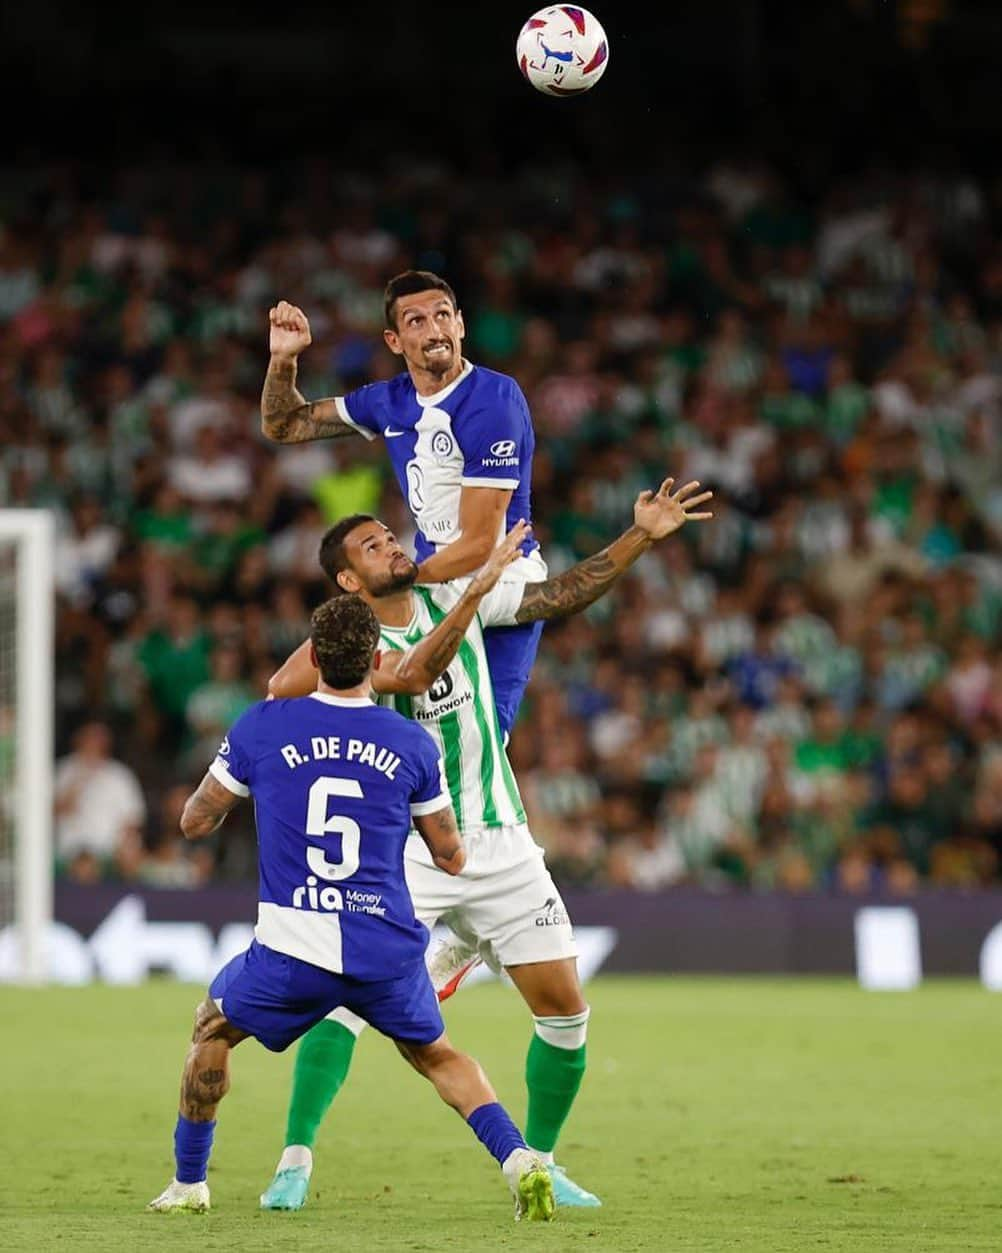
(656, 515)
(287, 416)
(205, 808)
(440, 833)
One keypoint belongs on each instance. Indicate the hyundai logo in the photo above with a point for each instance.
(503, 448)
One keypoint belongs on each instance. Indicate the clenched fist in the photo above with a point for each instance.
(290, 330)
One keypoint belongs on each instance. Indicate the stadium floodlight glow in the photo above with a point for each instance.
(26, 745)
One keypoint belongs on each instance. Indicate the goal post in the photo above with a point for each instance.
(26, 734)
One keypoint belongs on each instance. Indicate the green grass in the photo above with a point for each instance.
(716, 1114)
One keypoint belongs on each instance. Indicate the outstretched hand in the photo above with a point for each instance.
(509, 550)
(290, 330)
(660, 513)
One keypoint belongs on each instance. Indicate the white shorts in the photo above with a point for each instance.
(505, 901)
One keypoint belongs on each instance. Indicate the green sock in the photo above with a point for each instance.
(322, 1063)
(553, 1077)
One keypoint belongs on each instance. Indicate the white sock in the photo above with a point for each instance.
(296, 1155)
(547, 1157)
(563, 1033)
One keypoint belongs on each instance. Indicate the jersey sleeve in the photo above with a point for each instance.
(233, 765)
(359, 411)
(494, 440)
(431, 792)
(500, 605)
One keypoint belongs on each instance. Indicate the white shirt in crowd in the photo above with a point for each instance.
(226, 478)
(108, 802)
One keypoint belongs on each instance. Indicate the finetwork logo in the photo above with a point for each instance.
(441, 688)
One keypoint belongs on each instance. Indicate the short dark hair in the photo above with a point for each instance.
(409, 284)
(344, 634)
(333, 558)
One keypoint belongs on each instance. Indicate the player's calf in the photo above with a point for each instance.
(461, 1083)
(206, 1077)
(204, 1082)
(555, 1064)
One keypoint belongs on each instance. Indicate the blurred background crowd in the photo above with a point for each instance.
(804, 694)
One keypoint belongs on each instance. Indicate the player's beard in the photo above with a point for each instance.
(399, 579)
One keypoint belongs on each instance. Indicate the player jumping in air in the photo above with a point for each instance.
(459, 437)
(337, 783)
(505, 901)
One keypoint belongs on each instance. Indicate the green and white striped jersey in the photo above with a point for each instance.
(458, 710)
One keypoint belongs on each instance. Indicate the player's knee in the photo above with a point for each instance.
(432, 1058)
(211, 1024)
(559, 1002)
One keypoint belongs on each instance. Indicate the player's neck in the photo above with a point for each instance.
(395, 610)
(362, 691)
(427, 384)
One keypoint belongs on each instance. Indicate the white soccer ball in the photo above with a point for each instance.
(563, 50)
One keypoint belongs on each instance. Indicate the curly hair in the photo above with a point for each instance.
(344, 633)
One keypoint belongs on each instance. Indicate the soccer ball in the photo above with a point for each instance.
(562, 51)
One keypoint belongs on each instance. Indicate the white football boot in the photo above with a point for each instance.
(449, 964)
(193, 1197)
(527, 1175)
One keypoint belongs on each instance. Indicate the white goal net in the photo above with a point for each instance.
(26, 696)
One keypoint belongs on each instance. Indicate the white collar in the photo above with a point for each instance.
(438, 397)
(348, 702)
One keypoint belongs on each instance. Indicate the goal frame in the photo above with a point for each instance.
(33, 531)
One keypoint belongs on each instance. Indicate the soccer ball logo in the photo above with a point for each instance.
(562, 51)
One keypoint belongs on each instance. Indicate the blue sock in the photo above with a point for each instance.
(495, 1130)
(192, 1146)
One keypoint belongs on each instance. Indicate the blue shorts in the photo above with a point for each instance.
(511, 652)
(277, 999)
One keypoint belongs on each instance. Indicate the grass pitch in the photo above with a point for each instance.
(759, 1115)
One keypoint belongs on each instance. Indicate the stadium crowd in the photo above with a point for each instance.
(805, 693)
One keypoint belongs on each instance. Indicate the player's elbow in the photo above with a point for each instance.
(194, 826)
(480, 545)
(453, 864)
(281, 685)
(410, 679)
(275, 427)
(418, 684)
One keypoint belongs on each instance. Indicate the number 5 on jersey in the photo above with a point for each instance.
(319, 822)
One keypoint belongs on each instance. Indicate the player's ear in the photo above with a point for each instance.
(461, 324)
(348, 581)
(313, 657)
(392, 341)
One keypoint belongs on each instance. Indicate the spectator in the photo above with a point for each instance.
(215, 705)
(100, 809)
(175, 658)
(169, 861)
(85, 552)
(210, 473)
